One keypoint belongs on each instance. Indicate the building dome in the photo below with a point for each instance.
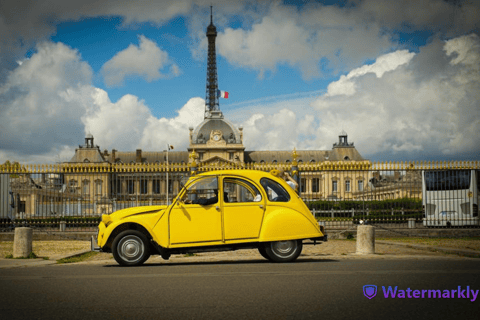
(230, 134)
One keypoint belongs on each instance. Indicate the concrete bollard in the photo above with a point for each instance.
(22, 242)
(365, 240)
(62, 226)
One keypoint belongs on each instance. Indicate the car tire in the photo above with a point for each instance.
(263, 252)
(130, 248)
(284, 251)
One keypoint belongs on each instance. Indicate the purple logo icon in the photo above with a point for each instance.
(370, 291)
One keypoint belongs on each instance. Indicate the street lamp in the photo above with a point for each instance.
(169, 147)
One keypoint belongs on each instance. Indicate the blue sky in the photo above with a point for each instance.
(401, 78)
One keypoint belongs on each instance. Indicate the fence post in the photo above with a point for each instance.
(333, 216)
(63, 225)
(22, 242)
(411, 223)
(353, 212)
(313, 211)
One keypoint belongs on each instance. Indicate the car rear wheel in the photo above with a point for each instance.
(284, 251)
(130, 248)
(263, 252)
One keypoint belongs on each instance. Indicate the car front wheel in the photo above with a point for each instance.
(283, 251)
(130, 248)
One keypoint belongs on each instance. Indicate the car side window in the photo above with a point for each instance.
(275, 192)
(203, 191)
(239, 190)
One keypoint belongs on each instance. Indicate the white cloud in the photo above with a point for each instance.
(427, 106)
(49, 105)
(403, 106)
(298, 39)
(145, 60)
(385, 63)
(37, 115)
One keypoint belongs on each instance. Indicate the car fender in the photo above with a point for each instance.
(288, 224)
(146, 223)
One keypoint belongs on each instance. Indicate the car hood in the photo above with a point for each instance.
(128, 212)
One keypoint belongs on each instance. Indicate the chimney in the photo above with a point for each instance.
(113, 155)
(139, 156)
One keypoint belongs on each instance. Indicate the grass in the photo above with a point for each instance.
(189, 254)
(30, 256)
(470, 243)
(78, 258)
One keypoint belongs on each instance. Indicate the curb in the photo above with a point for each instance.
(460, 252)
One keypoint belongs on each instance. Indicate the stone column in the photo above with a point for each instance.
(365, 240)
(22, 242)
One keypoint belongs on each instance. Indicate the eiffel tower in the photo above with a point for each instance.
(212, 108)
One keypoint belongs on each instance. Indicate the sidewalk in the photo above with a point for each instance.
(335, 249)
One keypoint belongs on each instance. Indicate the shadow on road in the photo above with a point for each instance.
(224, 262)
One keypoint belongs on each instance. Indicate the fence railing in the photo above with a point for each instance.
(72, 197)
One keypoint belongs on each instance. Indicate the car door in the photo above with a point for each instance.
(191, 222)
(243, 209)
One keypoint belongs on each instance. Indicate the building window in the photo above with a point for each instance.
(72, 186)
(86, 187)
(131, 186)
(98, 187)
(334, 186)
(143, 186)
(360, 185)
(347, 186)
(231, 155)
(315, 185)
(117, 185)
(303, 185)
(156, 186)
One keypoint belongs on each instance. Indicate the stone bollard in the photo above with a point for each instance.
(365, 240)
(22, 242)
(62, 226)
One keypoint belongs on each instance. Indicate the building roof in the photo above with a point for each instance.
(149, 157)
(201, 134)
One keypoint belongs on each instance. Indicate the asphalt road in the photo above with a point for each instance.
(306, 289)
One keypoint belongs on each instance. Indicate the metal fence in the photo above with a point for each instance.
(340, 195)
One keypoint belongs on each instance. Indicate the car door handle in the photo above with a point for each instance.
(218, 208)
(261, 206)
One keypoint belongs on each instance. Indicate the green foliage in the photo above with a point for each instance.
(350, 236)
(30, 256)
(70, 221)
(189, 254)
(392, 210)
(373, 205)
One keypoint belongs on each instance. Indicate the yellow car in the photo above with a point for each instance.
(215, 211)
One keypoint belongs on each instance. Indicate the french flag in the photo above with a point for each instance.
(223, 94)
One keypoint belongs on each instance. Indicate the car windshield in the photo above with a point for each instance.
(274, 190)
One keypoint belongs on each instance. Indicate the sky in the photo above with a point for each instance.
(402, 78)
